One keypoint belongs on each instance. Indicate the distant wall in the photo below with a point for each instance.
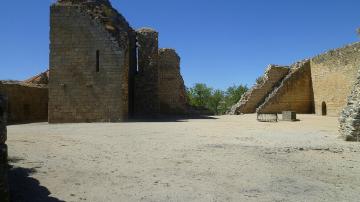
(89, 65)
(26, 103)
(172, 91)
(333, 75)
(295, 92)
(257, 94)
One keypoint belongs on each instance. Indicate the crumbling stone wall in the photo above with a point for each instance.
(295, 92)
(4, 188)
(90, 62)
(147, 79)
(333, 75)
(27, 103)
(41, 79)
(350, 115)
(172, 92)
(257, 94)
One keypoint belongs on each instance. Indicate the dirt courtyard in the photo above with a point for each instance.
(227, 158)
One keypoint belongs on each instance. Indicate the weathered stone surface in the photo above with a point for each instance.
(172, 92)
(4, 188)
(3, 118)
(256, 95)
(27, 103)
(294, 93)
(350, 116)
(333, 75)
(41, 79)
(89, 64)
(288, 116)
(147, 78)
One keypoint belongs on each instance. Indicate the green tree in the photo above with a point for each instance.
(199, 95)
(216, 101)
(233, 94)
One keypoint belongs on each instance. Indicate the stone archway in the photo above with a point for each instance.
(323, 109)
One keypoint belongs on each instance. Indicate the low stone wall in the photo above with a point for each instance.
(27, 103)
(4, 188)
(295, 92)
(257, 94)
(350, 116)
(172, 93)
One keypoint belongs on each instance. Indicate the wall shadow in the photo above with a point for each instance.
(24, 188)
(162, 118)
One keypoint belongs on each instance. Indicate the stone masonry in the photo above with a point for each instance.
(350, 116)
(89, 62)
(147, 79)
(4, 188)
(294, 93)
(333, 75)
(101, 70)
(172, 93)
(26, 102)
(257, 94)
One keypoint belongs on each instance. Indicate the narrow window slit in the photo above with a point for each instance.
(97, 61)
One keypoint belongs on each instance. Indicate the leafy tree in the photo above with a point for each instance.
(217, 101)
(199, 95)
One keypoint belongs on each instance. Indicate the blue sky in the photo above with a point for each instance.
(221, 42)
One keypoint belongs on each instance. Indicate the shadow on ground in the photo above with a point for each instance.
(24, 188)
(169, 118)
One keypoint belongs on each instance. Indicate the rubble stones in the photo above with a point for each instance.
(350, 116)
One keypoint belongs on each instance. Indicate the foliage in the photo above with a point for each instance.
(215, 100)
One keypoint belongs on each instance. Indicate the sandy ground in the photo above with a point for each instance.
(229, 158)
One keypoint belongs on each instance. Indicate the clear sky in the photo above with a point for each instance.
(221, 42)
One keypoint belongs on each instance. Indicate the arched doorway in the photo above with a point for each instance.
(323, 109)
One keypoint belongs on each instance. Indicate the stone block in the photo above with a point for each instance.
(289, 116)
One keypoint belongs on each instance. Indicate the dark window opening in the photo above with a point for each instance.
(323, 109)
(97, 61)
(137, 56)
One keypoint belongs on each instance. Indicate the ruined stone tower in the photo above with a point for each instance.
(100, 68)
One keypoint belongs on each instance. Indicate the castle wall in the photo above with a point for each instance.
(333, 75)
(172, 90)
(89, 67)
(146, 79)
(295, 92)
(256, 95)
(27, 103)
(4, 188)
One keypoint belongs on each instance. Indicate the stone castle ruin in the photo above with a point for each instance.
(101, 69)
(320, 85)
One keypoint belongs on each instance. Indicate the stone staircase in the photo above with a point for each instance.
(275, 101)
(256, 95)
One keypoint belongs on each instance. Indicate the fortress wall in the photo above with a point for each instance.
(293, 94)
(89, 66)
(172, 92)
(146, 79)
(26, 103)
(333, 75)
(256, 95)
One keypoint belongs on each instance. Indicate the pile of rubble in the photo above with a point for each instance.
(350, 116)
